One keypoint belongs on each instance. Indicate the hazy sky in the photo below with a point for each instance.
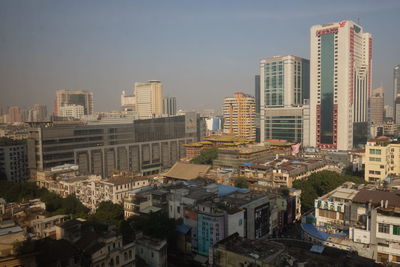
(202, 50)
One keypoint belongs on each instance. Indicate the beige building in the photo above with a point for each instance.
(149, 99)
(239, 116)
(382, 158)
(66, 97)
(377, 106)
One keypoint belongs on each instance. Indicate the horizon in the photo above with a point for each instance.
(200, 52)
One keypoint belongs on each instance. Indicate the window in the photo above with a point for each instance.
(375, 151)
(396, 229)
(240, 221)
(396, 258)
(152, 254)
(374, 159)
(179, 209)
(383, 228)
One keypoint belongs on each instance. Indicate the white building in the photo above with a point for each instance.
(72, 111)
(359, 218)
(149, 99)
(340, 83)
(128, 102)
(152, 251)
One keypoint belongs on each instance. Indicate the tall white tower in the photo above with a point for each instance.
(340, 83)
(149, 99)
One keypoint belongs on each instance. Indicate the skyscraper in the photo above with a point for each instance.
(170, 105)
(284, 89)
(257, 98)
(15, 114)
(239, 115)
(396, 93)
(388, 112)
(341, 55)
(149, 99)
(38, 113)
(377, 106)
(66, 97)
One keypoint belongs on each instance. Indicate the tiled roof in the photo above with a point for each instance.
(187, 171)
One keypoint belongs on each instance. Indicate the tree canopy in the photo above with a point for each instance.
(241, 182)
(18, 192)
(319, 184)
(156, 225)
(207, 156)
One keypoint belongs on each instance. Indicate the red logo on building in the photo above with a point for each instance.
(342, 23)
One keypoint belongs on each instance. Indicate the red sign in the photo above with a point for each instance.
(341, 24)
(327, 31)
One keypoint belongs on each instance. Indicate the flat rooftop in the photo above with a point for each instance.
(262, 250)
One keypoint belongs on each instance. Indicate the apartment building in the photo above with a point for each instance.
(382, 159)
(362, 218)
(239, 116)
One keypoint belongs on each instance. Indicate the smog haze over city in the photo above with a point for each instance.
(202, 51)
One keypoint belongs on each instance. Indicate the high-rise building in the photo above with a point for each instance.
(170, 105)
(284, 93)
(128, 102)
(397, 114)
(149, 99)
(377, 106)
(239, 115)
(15, 114)
(13, 160)
(396, 82)
(38, 113)
(396, 95)
(340, 80)
(257, 97)
(388, 111)
(66, 97)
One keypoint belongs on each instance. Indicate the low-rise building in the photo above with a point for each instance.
(281, 172)
(237, 251)
(358, 218)
(382, 158)
(46, 227)
(233, 157)
(152, 251)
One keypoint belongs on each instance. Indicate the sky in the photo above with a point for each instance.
(202, 51)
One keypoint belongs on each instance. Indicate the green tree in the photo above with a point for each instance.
(319, 184)
(241, 182)
(156, 225)
(108, 213)
(207, 156)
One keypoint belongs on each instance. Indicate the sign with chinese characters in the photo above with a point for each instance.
(327, 31)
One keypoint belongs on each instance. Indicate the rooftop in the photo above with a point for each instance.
(376, 196)
(187, 171)
(262, 250)
(227, 138)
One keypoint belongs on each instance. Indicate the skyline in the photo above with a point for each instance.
(196, 50)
